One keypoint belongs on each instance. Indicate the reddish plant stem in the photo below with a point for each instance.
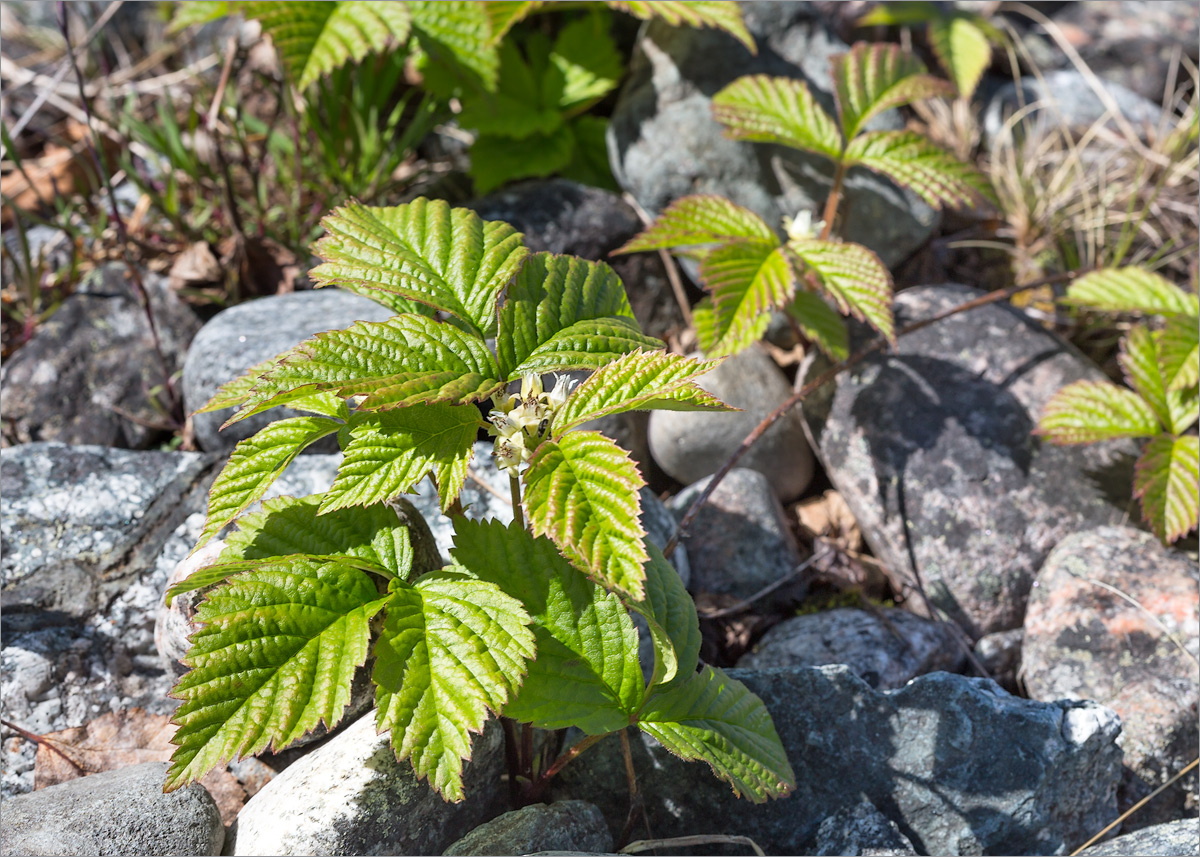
(831, 373)
(833, 200)
(539, 785)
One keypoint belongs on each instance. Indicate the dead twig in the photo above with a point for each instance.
(1141, 803)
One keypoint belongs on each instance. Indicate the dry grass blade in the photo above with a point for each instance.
(690, 841)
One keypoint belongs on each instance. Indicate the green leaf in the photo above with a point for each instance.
(873, 78)
(853, 276)
(589, 161)
(912, 161)
(406, 360)
(820, 323)
(502, 14)
(699, 220)
(671, 616)
(196, 12)
(962, 48)
(457, 34)
(234, 393)
(496, 160)
(1179, 351)
(315, 38)
(1167, 481)
(1090, 411)
(899, 14)
(639, 381)
(697, 13)
(256, 462)
(451, 650)
(776, 110)
(716, 342)
(1141, 362)
(587, 345)
(1131, 289)
(274, 657)
(587, 60)
(390, 452)
(422, 252)
(746, 280)
(555, 295)
(220, 571)
(517, 108)
(716, 719)
(582, 492)
(586, 673)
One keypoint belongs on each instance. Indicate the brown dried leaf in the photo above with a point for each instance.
(829, 517)
(195, 266)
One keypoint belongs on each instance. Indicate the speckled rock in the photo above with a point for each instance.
(663, 142)
(931, 447)
(860, 830)
(1083, 640)
(569, 825)
(351, 796)
(690, 445)
(886, 648)
(958, 764)
(87, 374)
(249, 333)
(1000, 654)
(121, 812)
(739, 542)
(1180, 838)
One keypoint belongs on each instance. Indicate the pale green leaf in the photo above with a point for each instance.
(457, 34)
(234, 393)
(194, 12)
(587, 345)
(582, 492)
(719, 14)
(962, 48)
(1131, 289)
(1142, 364)
(274, 657)
(746, 280)
(315, 38)
(586, 58)
(219, 572)
(256, 462)
(586, 673)
(716, 342)
(390, 452)
(716, 719)
(1090, 411)
(1179, 350)
(899, 14)
(870, 79)
(451, 650)
(502, 14)
(853, 276)
(639, 381)
(699, 220)
(517, 108)
(776, 110)
(1167, 481)
(671, 616)
(423, 252)
(496, 160)
(821, 323)
(912, 161)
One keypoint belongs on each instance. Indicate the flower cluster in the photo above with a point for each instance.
(520, 421)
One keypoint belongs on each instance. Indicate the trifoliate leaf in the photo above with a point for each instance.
(696, 13)
(714, 718)
(747, 280)
(587, 63)
(870, 79)
(256, 462)
(553, 293)
(315, 38)
(423, 252)
(671, 616)
(274, 657)
(776, 110)
(699, 220)
(586, 673)
(1167, 481)
(496, 159)
(406, 360)
(582, 492)
(962, 48)
(1090, 411)
(820, 323)
(1179, 351)
(912, 161)
(457, 34)
(639, 381)
(452, 649)
(1142, 364)
(390, 452)
(1132, 289)
(502, 14)
(853, 276)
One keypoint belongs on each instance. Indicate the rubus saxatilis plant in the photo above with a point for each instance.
(747, 268)
(1162, 365)
(531, 619)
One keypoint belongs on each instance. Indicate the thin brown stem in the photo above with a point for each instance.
(831, 373)
(514, 488)
(833, 200)
(1141, 803)
(635, 798)
(571, 754)
(41, 741)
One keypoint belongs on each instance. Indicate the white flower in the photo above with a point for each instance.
(562, 389)
(510, 452)
(803, 226)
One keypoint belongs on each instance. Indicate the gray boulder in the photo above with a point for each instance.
(931, 447)
(663, 142)
(117, 812)
(886, 648)
(249, 333)
(958, 764)
(860, 830)
(1085, 640)
(689, 445)
(568, 825)
(88, 374)
(1180, 838)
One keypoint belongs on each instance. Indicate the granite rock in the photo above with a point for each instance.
(860, 830)
(569, 825)
(1179, 838)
